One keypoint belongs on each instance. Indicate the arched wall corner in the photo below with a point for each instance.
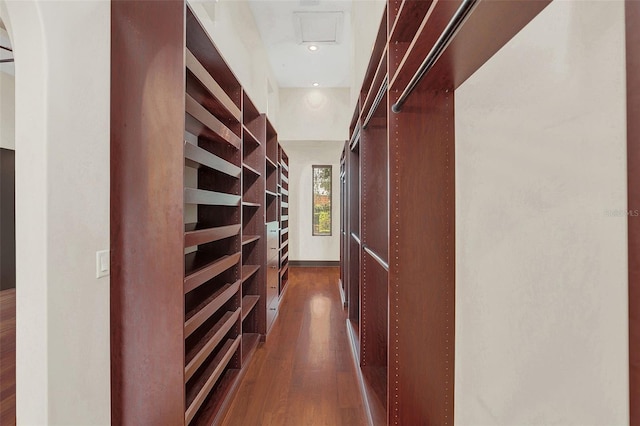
(24, 25)
(62, 87)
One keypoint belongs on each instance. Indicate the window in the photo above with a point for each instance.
(321, 200)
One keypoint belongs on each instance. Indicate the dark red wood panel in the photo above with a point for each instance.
(489, 27)
(147, 231)
(375, 199)
(633, 170)
(421, 260)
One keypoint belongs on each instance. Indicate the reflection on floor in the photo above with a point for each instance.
(304, 374)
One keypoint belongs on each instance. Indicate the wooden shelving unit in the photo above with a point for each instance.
(283, 190)
(194, 167)
(397, 188)
(272, 222)
(253, 244)
(212, 194)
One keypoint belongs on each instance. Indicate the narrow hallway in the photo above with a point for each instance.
(304, 374)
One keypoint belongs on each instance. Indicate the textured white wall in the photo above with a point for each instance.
(7, 111)
(315, 114)
(302, 156)
(62, 52)
(365, 19)
(541, 267)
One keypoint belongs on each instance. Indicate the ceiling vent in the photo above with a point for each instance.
(318, 27)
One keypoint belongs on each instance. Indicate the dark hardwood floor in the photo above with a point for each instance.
(304, 374)
(8, 357)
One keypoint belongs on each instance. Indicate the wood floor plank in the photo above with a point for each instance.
(303, 374)
(8, 357)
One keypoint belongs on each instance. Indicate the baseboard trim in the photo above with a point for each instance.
(314, 263)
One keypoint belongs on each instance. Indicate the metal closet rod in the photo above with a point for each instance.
(438, 48)
(6, 48)
(376, 102)
(4, 61)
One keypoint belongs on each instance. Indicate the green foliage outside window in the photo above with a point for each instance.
(321, 200)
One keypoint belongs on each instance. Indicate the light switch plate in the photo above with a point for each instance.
(103, 263)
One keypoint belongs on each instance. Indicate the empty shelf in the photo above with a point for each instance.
(203, 116)
(248, 204)
(200, 390)
(212, 86)
(248, 303)
(284, 217)
(249, 343)
(198, 315)
(271, 163)
(284, 191)
(284, 257)
(284, 269)
(284, 231)
(248, 271)
(211, 198)
(199, 353)
(246, 239)
(273, 194)
(249, 136)
(250, 169)
(194, 236)
(285, 179)
(196, 276)
(203, 157)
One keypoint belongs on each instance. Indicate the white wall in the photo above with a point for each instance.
(62, 52)
(366, 16)
(314, 114)
(313, 127)
(7, 111)
(541, 296)
(302, 156)
(232, 28)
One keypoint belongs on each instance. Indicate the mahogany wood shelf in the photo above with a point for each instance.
(203, 311)
(248, 271)
(202, 115)
(211, 198)
(197, 272)
(271, 163)
(199, 156)
(203, 385)
(212, 86)
(251, 170)
(249, 344)
(248, 303)
(247, 239)
(199, 353)
(201, 164)
(194, 236)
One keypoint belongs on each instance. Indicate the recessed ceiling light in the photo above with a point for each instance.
(313, 47)
(315, 84)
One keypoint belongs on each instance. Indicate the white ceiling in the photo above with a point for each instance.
(292, 62)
